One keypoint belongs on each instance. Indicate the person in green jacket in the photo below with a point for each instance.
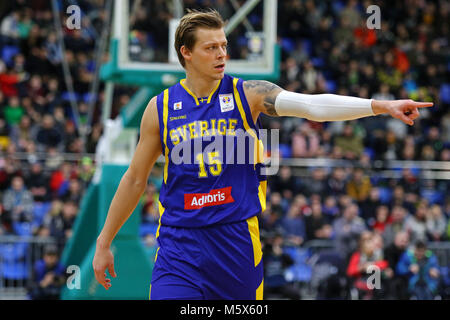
(13, 111)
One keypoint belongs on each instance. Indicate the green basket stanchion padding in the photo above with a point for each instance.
(133, 264)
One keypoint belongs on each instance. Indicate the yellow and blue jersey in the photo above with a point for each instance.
(210, 188)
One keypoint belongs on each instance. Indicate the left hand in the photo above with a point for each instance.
(406, 110)
(434, 273)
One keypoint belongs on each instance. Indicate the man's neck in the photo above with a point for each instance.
(200, 86)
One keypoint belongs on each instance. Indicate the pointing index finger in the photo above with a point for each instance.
(423, 104)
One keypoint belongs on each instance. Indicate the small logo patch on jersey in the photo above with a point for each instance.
(215, 197)
(177, 105)
(226, 102)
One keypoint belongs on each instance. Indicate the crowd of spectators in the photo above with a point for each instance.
(40, 186)
(368, 218)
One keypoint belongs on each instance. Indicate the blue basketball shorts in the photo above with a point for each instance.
(220, 262)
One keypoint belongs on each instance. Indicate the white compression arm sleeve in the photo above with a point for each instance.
(322, 107)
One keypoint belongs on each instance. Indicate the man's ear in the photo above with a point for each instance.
(186, 53)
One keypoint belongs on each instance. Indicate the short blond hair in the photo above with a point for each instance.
(185, 33)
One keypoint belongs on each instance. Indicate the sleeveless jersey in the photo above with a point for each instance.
(204, 186)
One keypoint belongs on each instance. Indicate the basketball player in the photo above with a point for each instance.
(208, 234)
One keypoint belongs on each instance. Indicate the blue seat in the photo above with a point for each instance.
(14, 270)
(10, 252)
(445, 93)
(370, 152)
(331, 86)
(317, 62)
(88, 97)
(415, 171)
(385, 194)
(8, 53)
(242, 41)
(40, 209)
(299, 255)
(307, 45)
(22, 228)
(254, 18)
(288, 44)
(147, 228)
(375, 179)
(433, 196)
(285, 150)
(445, 274)
(67, 97)
(300, 271)
(338, 6)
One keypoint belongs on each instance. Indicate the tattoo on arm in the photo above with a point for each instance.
(268, 90)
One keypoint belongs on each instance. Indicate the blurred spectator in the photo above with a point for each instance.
(350, 143)
(416, 224)
(421, 267)
(9, 81)
(359, 186)
(409, 183)
(336, 184)
(74, 191)
(59, 220)
(276, 261)
(150, 212)
(347, 230)
(317, 226)
(52, 219)
(87, 170)
(48, 135)
(59, 179)
(69, 213)
(23, 132)
(398, 223)
(285, 183)
(436, 224)
(316, 183)
(271, 217)
(54, 159)
(18, 201)
(360, 262)
(382, 219)
(399, 198)
(432, 144)
(305, 142)
(37, 181)
(370, 206)
(49, 276)
(330, 208)
(10, 27)
(13, 111)
(4, 134)
(293, 226)
(393, 253)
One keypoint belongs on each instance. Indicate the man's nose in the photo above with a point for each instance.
(222, 52)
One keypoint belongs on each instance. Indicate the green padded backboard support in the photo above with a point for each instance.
(84, 229)
(133, 264)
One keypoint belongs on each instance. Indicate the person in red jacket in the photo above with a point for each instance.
(359, 266)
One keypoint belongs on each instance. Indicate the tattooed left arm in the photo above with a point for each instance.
(261, 96)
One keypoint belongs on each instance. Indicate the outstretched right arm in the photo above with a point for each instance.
(131, 187)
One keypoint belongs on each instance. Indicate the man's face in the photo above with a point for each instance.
(50, 260)
(17, 183)
(419, 253)
(209, 53)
